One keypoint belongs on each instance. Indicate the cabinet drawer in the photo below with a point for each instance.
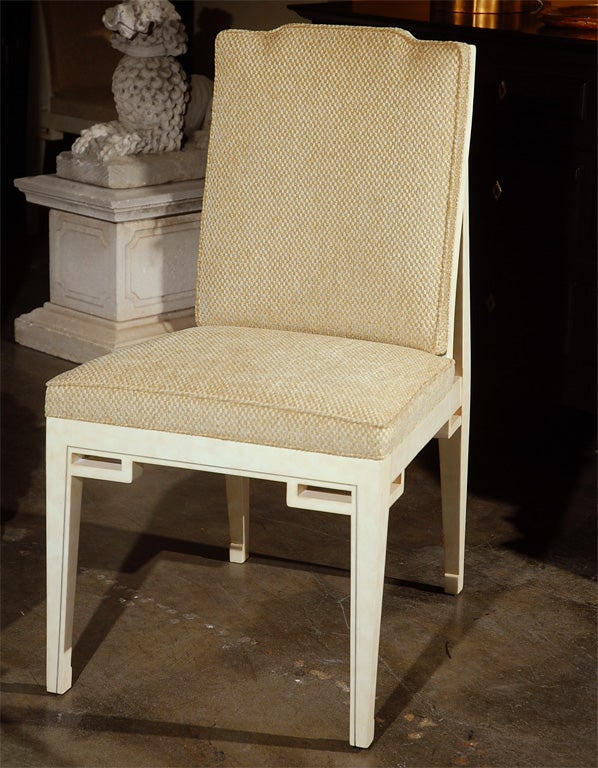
(546, 96)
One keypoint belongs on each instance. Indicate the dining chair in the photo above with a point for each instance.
(332, 315)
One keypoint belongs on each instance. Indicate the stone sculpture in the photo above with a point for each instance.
(149, 86)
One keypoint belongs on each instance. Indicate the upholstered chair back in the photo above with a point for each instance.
(334, 174)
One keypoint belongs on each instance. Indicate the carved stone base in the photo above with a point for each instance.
(137, 170)
(123, 270)
(79, 337)
(122, 265)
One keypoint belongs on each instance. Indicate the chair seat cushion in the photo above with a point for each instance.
(292, 390)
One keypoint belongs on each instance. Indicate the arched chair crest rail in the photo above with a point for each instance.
(332, 336)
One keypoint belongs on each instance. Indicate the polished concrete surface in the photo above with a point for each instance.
(182, 659)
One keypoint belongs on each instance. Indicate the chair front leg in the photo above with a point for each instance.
(369, 530)
(63, 514)
(237, 497)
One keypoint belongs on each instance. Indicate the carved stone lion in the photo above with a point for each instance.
(149, 86)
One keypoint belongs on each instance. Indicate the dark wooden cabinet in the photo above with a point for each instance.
(533, 221)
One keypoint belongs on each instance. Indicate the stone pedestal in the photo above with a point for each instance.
(122, 265)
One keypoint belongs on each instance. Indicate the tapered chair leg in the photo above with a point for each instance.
(63, 510)
(368, 556)
(453, 477)
(237, 497)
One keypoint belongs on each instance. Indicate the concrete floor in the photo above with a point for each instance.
(182, 659)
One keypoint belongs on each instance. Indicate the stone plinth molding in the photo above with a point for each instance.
(122, 265)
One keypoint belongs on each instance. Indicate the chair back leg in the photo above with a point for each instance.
(237, 498)
(454, 446)
(453, 454)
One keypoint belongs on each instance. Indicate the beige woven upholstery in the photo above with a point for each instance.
(339, 156)
(332, 315)
(313, 393)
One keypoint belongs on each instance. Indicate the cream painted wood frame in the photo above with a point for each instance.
(362, 488)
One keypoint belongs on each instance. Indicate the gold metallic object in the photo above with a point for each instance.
(492, 6)
(487, 14)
